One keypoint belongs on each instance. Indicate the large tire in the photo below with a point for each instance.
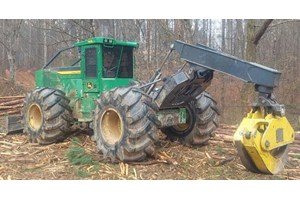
(124, 126)
(47, 116)
(202, 121)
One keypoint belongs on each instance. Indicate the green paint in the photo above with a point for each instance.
(182, 115)
(171, 117)
(84, 83)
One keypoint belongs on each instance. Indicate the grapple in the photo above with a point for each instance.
(262, 141)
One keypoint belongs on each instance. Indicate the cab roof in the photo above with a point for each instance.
(106, 40)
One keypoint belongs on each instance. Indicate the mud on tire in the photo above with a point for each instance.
(201, 123)
(47, 116)
(123, 125)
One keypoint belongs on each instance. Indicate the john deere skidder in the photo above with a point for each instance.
(98, 90)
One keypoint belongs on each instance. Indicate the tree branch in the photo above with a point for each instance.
(4, 45)
(285, 21)
(261, 31)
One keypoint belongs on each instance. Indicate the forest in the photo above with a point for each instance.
(29, 43)
(26, 45)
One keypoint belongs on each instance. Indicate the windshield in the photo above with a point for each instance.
(111, 60)
(117, 61)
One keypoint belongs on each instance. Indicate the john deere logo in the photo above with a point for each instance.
(89, 85)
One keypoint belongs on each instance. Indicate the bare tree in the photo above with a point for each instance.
(253, 37)
(9, 40)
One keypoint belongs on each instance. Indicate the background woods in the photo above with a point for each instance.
(27, 44)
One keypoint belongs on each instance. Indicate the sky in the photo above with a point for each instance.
(133, 9)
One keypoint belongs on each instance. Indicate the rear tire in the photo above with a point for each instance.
(47, 116)
(123, 125)
(202, 122)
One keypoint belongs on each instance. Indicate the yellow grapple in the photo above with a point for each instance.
(262, 141)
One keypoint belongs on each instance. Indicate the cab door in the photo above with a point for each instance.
(90, 63)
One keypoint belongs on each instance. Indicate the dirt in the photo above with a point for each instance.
(216, 161)
(24, 83)
(25, 78)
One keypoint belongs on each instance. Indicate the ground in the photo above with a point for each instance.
(24, 83)
(216, 161)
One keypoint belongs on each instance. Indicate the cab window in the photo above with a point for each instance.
(111, 60)
(91, 63)
(126, 67)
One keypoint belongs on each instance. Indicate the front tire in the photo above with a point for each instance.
(202, 122)
(123, 125)
(47, 116)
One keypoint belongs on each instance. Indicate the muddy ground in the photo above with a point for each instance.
(20, 160)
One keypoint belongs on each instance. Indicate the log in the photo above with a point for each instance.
(224, 126)
(294, 154)
(10, 112)
(293, 178)
(225, 134)
(295, 149)
(12, 97)
(13, 102)
(224, 137)
(296, 142)
(11, 107)
(219, 140)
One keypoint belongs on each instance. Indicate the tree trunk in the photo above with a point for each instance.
(222, 75)
(223, 34)
(2, 63)
(12, 67)
(204, 31)
(240, 38)
(148, 45)
(250, 46)
(45, 42)
(155, 43)
(209, 38)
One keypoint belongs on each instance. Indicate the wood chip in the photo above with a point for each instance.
(135, 174)
(207, 155)
(224, 161)
(36, 152)
(164, 156)
(7, 143)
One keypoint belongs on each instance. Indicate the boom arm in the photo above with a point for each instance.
(264, 78)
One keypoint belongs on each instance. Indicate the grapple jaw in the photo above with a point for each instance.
(262, 141)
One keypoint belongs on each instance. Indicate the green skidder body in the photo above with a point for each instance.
(88, 69)
(90, 85)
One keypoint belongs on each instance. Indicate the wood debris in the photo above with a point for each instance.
(164, 156)
(124, 168)
(225, 160)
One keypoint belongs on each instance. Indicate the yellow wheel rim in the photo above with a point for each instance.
(181, 127)
(35, 117)
(111, 126)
